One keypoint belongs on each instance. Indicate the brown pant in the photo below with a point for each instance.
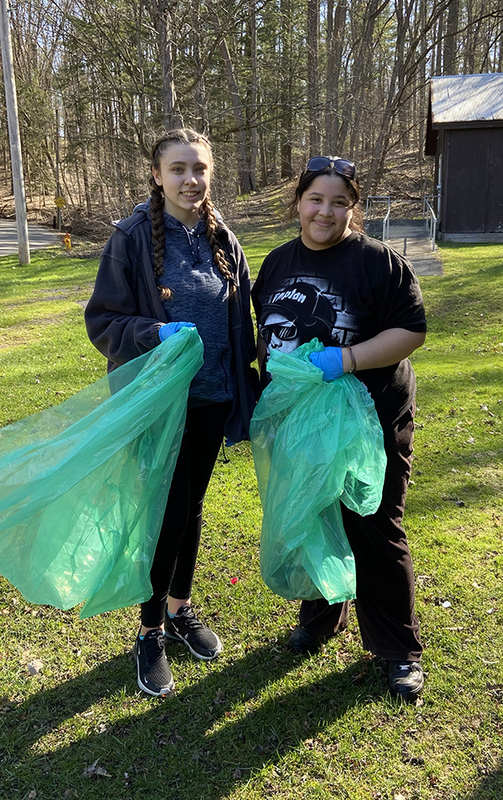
(384, 573)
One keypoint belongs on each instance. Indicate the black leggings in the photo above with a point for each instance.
(384, 574)
(175, 556)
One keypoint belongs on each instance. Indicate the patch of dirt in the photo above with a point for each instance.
(406, 181)
(264, 208)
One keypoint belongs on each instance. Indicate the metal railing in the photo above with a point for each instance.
(433, 201)
(430, 217)
(369, 210)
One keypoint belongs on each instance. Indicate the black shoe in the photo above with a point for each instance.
(153, 672)
(186, 628)
(303, 641)
(405, 679)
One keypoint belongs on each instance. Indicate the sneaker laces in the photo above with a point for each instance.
(154, 644)
(408, 665)
(189, 618)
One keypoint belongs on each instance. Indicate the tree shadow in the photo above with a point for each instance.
(200, 743)
(490, 788)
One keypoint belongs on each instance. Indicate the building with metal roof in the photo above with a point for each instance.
(465, 135)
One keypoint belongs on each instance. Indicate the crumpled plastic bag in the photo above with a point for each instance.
(315, 444)
(84, 485)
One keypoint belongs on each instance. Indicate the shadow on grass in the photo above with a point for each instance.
(455, 489)
(490, 788)
(201, 743)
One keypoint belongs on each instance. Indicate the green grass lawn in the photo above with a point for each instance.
(261, 722)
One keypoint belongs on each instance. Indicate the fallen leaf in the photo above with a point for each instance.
(35, 666)
(219, 697)
(93, 771)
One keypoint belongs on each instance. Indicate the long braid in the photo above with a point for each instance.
(158, 236)
(219, 257)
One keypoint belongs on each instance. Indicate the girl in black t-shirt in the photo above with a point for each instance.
(362, 301)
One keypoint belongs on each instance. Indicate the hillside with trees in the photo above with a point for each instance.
(270, 81)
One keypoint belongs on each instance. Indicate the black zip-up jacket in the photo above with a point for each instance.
(125, 311)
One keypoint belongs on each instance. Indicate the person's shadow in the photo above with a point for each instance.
(199, 743)
(491, 787)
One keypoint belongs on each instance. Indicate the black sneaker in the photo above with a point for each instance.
(153, 672)
(186, 628)
(405, 679)
(303, 641)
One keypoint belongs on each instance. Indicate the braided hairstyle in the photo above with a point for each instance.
(207, 211)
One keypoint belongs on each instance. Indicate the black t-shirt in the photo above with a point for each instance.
(342, 295)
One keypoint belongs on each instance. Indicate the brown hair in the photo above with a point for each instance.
(182, 136)
(305, 180)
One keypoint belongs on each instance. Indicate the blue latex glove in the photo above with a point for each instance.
(329, 361)
(173, 327)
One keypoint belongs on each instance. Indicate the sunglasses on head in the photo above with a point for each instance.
(340, 165)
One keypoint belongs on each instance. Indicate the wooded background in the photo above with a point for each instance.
(270, 82)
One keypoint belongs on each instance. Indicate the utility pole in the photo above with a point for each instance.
(14, 138)
(59, 200)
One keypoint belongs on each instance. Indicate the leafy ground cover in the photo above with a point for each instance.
(261, 722)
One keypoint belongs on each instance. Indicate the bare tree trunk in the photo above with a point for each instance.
(119, 184)
(245, 183)
(402, 78)
(262, 146)
(336, 23)
(252, 115)
(140, 126)
(391, 103)
(440, 34)
(363, 75)
(85, 175)
(420, 94)
(450, 60)
(313, 104)
(286, 100)
(98, 154)
(201, 115)
(162, 22)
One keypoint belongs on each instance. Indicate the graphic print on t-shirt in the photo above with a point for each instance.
(302, 308)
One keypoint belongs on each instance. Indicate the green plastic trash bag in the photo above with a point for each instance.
(84, 485)
(314, 443)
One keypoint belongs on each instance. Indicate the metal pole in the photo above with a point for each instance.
(58, 187)
(14, 137)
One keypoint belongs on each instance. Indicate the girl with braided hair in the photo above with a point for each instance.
(173, 260)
